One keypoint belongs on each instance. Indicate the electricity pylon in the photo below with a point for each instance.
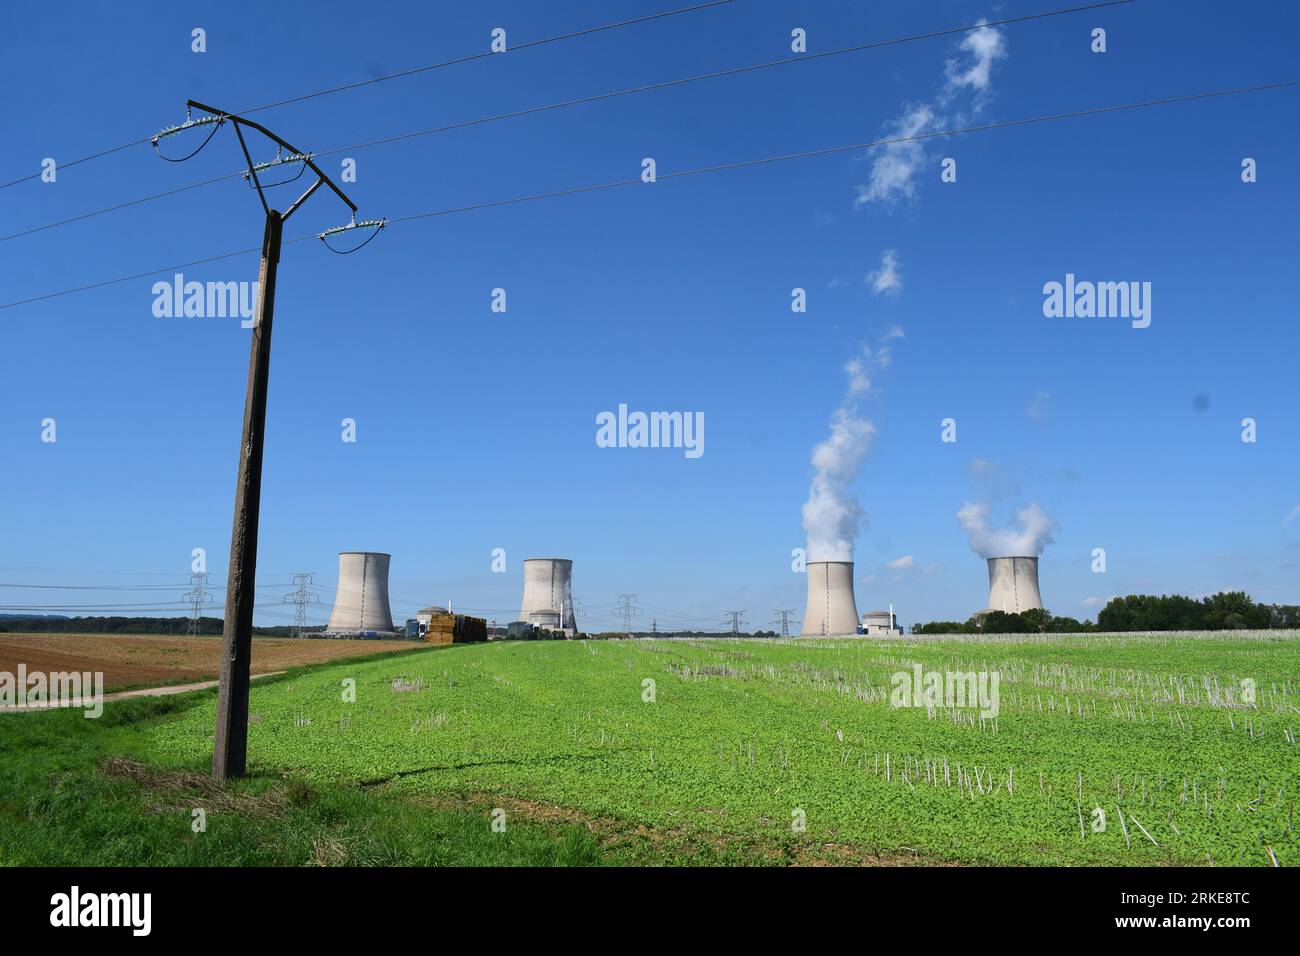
(302, 598)
(230, 743)
(627, 607)
(197, 597)
(783, 620)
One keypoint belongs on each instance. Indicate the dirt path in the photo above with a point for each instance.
(124, 694)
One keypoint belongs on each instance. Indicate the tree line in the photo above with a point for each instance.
(48, 624)
(1227, 610)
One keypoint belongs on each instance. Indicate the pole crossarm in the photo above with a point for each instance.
(296, 154)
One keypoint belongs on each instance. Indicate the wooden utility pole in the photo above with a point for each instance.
(230, 745)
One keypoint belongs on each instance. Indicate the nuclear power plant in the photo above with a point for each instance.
(361, 604)
(548, 594)
(1013, 584)
(831, 607)
(881, 624)
(362, 609)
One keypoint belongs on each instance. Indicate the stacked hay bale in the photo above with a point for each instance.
(443, 627)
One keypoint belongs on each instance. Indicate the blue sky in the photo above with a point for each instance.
(476, 430)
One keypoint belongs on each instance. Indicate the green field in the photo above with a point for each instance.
(741, 740)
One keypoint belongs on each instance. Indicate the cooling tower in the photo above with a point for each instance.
(831, 608)
(548, 594)
(361, 603)
(1013, 584)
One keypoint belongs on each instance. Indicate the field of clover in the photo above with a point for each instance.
(1138, 749)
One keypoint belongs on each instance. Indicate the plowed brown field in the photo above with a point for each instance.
(133, 660)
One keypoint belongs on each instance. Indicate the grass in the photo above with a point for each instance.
(713, 762)
(69, 796)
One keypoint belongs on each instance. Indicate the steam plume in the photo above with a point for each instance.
(832, 516)
(1030, 533)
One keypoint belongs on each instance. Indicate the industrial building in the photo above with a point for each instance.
(520, 631)
(548, 594)
(1013, 585)
(881, 624)
(831, 607)
(361, 604)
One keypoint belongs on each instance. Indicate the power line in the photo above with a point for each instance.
(93, 587)
(142, 275)
(121, 205)
(155, 605)
(485, 55)
(563, 104)
(736, 619)
(722, 167)
(397, 76)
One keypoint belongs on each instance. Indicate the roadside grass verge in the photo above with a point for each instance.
(78, 792)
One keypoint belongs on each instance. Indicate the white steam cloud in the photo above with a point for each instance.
(1030, 533)
(832, 516)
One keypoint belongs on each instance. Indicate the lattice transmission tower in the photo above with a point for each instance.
(736, 621)
(302, 599)
(627, 607)
(783, 619)
(196, 598)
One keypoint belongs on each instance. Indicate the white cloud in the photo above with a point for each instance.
(1090, 601)
(887, 280)
(1292, 515)
(902, 564)
(895, 165)
(859, 381)
(986, 46)
(1037, 408)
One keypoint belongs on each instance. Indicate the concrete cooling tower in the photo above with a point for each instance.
(548, 594)
(831, 608)
(361, 603)
(1013, 585)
